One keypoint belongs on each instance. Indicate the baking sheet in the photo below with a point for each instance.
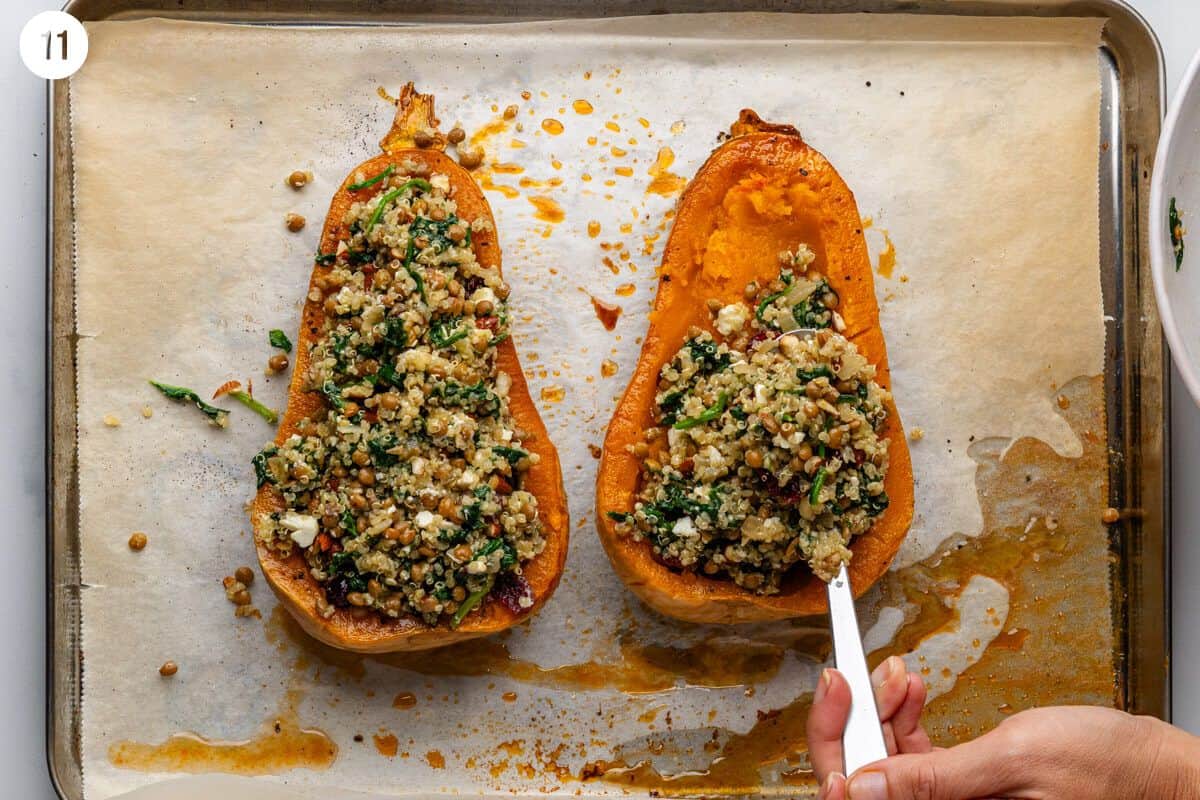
(992, 207)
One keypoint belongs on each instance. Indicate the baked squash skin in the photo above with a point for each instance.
(760, 193)
(368, 631)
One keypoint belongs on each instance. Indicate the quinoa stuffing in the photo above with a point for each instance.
(404, 494)
(766, 452)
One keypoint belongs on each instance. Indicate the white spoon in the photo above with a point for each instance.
(862, 741)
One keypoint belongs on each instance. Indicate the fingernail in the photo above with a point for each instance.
(881, 673)
(831, 779)
(823, 685)
(867, 786)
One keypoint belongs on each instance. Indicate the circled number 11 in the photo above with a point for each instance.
(50, 37)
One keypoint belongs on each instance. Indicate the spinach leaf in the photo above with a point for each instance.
(354, 187)
(708, 415)
(476, 398)
(875, 504)
(261, 471)
(333, 394)
(705, 354)
(437, 232)
(379, 447)
(386, 200)
(445, 331)
(510, 454)
(820, 371)
(670, 406)
(348, 524)
(279, 339)
(219, 416)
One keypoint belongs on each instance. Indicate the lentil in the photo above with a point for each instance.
(299, 179)
(294, 222)
(168, 669)
(137, 541)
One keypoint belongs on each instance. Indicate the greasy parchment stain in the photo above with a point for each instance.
(1042, 529)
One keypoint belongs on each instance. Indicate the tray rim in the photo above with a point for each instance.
(1134, 34)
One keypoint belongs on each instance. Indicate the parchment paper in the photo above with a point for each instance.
(972, 144)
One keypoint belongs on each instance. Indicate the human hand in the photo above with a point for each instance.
(899, 697)
(1057, 753)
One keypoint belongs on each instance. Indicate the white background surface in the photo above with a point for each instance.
(22, 327)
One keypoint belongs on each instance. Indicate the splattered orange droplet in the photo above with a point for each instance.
(608, 368)
(552, 126)
(624, 172)
(612, 126)
(887, 258)
(508, 169)
(582, 107)
(585, 177)
(593, 229)
(663, 181)
(626, 227)
(645, 123)
(509, 697)
(554, 162)
(436, 759)
(553, 394)
(547, 209)
(607, 313)
(626, 290)
(387, 744)
(526, 95)
(404, 700)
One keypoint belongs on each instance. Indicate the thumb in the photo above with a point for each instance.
(960, 773)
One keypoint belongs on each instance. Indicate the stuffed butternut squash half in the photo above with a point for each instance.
(412, 497)
(747, 462)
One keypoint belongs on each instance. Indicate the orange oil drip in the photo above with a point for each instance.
(552, 126)
(547, 209)
(887, 258)
(607, 313)
(593, 229)
(662, 180)
(387, 744)
(582, 107)
(281, 745)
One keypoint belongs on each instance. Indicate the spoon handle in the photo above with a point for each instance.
(862, 742)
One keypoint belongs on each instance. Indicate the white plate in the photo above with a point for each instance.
(1177, 175)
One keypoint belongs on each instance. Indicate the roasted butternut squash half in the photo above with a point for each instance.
(412, 497)
(742, 465)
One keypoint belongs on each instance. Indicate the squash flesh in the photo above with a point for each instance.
(763, 192)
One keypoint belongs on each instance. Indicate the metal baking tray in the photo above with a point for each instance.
(1136, 377)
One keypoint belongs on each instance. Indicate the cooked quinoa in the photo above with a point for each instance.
(766, 452)
(404, 494)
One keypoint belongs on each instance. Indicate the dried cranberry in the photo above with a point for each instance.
(472, 283)
(761, 336)
(509, 590)
(336, 592)
(487, 323)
